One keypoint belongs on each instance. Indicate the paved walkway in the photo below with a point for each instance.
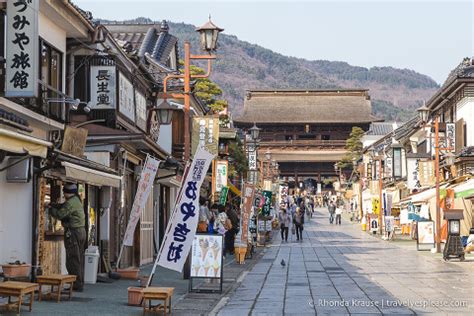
(342, 270)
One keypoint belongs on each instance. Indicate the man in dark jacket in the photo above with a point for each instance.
(71, 215)
(332, 210)
(230, 234)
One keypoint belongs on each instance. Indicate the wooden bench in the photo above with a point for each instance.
(157, 293)
(18, 289)
(58, 280)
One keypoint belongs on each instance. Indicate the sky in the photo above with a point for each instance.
(430, 37)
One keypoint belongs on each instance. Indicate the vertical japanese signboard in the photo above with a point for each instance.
(413, 170)
(248, 196)
(140, 102)
(126, 97)
(450, 137)
(206, 133)
(182, 226)
(22, 48)
(223, 195)
(220, 175)
(267, 195)
(375, 205)
(252, 152)
(102, 79)
(427, 173)
(145, 185)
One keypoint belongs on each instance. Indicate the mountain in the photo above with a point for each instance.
(240, 65)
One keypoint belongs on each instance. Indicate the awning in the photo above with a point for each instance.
(23, 144)
(90, 176)
(234, 189)
(464, 189)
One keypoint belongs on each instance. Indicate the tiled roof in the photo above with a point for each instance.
(307, 106)
(407, 129)
(380, 128)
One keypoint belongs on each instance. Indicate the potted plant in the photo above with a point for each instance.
(16, 269)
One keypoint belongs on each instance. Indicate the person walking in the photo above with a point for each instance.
(204, 216)
(284, 219)
(233, 230)
(332, 210)
(298, 221)
(71, 215)
(338, 215)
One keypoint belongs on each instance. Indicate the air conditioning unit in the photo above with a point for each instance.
(20, 172)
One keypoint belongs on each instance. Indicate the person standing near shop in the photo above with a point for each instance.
(71, 215)
(332, 210)
(284, 219)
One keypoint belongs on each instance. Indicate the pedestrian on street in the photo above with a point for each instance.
(338, 215)
(285, 220)
(204, 216)
(332, 210)
(233, 230)
(213, 213)
(71, 215)
(298, 221)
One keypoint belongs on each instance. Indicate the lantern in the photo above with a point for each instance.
(424, 112)
(165, 113)
(453, 247)
(397, 160)
(209, 34)
(254, 132)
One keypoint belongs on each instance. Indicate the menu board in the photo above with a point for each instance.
(426, 232)
(206, 259)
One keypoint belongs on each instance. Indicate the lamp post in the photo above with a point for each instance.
(209, 34)
(254, 134)
(424, 112)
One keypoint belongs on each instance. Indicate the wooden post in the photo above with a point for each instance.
(438, 213)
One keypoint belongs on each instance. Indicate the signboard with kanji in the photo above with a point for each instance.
(427, 173)
(223, 195)
(22, 48)
(267, 195)
(102, 81)
(252, 157)
(206, 133)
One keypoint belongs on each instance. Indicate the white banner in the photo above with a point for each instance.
(22, 48)
(103, 90)
(182, 226)
(126, 99)
(145, 184)
(221, 175)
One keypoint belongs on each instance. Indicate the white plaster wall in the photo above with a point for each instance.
(465, 111)
(15, 220)
(55, 36)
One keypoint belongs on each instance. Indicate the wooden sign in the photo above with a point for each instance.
(427, 173)
(74, 141)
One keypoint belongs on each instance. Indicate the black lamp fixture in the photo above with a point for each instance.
(164, 113)
(254, 132)
(209, 33)
(424, 113)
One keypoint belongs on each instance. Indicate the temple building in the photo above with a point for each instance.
(305, 130)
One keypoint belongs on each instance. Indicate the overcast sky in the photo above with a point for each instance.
(430, 37)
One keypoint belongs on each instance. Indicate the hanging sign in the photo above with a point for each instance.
(375, 205)
(223, 195)
(22, 48)
(427, 173)
(413, 171)
(102, 80)
(252, 156)
(141, 118)
(206, 133)
(150, 167)
(126, 97)
(248, 196)
(267, 195)
(450, 137)
(220, 175)
(183, 223)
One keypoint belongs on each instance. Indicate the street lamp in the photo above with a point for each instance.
(396, 160)
(165, 113)
(209, 33)
(254, 132)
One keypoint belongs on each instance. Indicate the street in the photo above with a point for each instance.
(342, 270)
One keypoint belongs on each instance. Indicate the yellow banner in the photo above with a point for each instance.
(375, 205)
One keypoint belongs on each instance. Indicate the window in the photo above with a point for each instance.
(310, 136)
(325, 137)
(51, 66)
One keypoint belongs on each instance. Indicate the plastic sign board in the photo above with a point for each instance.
(223, 195)
(267, 195)
(206, 256)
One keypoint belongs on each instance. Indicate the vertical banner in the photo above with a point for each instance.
(223, 195)
(413, 170)
(318, 188)
(145, 184)
(22, 48)
(102, 80)
(252, 156)
(220, 175)
(450, 137)
(182, 226)
(205, 133)
(427, 173)
(375, 205)
(267, 195)
(248, 196)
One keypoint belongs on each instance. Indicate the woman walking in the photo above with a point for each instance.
(298, 221)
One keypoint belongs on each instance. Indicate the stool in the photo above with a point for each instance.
(58, 280)
(157, 293)
(18, 289)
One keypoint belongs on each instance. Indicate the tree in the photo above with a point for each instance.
(353, 147)
(240, 163)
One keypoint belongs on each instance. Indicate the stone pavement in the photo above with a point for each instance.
(342, 270)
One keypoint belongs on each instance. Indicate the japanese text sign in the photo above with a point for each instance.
(427, 173)
(221, 171)
(126, 97)
(145, 185)
(413, 170)
(22, 48)
(223, 195)
(268, 202)
(206, 133)
(248, 195)
(102, 81)
(182, 226)
(252, 152)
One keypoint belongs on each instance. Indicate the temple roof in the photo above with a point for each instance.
(307, 106)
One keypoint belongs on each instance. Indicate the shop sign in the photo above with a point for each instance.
(154, 127)
(413, 170)
(389, 224)
(248, 196)
(140, 102)
(183, 223)
(126, 97)
(74, 141)
(388, 166)
(450, 137)
(374, 224)
(22, 48)
(427, 173)
(258, 201)
(252, 154)
(221, 173)
(318, 188)
(147, 177)
(375, 205)
(267, 195)
(425, 232)
(206, 133)
(206, 256)
(102, 79)
(223, 195)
